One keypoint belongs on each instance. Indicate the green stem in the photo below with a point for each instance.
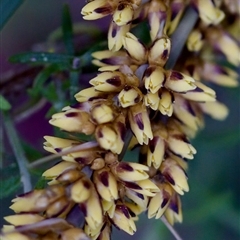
(18, 152)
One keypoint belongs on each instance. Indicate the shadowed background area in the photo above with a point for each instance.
(211, 209)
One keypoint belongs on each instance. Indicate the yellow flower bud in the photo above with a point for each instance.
(96, 9)
(115, 35)
(57, 208)
(166, 102)
(179, 82)
(74, 234)
(134, 48)
(108, 81)
(102, 113)
(87, 94)
(23, 219)
(129, 96)
(195, 41)
(123, 14)
(154, 78)
(159, 52)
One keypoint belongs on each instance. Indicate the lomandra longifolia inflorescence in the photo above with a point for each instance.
(140, 98)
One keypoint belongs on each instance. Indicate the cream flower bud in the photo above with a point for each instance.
(153, 78)
(74, 234)
(186, 113)
(92, 210)
(129, 96)
(87, 94)
(130, 172)
(96, 9)
(220, 75)
(123, 220)
(108, 207)
(156, 151)
(106, 233)
(102, 113)
(157, 15)
(159, 52)
(73, 121)
(108, 138)
(201, 94)
(209, 13)
(174, 211)
(152, 100)
(165, 102)
(106, 184)
(159, 203)
(138, 198)
(195, 41)
(58, 207)
(175, 175)
(179, 82)
(216, 110)
(55, 144)
(140, 123)
(115, 35)
(81, 190)
(145, 187)
(134, 48)
(123, 14)
(93, 233)
(108, 81)
(180, 145)
(23, 219)
(59, 168)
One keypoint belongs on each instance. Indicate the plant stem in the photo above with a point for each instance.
(18, 152)
(170, 228)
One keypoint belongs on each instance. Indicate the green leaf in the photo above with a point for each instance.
(42, 183)
(9, 185)
(4, 104)
(8, 7)
(43, 58)
(67, 29)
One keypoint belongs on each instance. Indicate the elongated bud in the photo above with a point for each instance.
(129, 96)
(174, 211)
(179, 82)
(152, 100)
(81, 190)
(57, 207)
(23, 219)
(108, 81)
(159, 203)
(73, 121)
(130, 172)
(106, 184)
(140, 123)
(195, 41)
(165, 102)
(96, 9)
(201, 93)
(106, 233)
(123, 14)
(159, 52)
(123, 220)
(87, 94)
(138, 198)
(134, 48)
(154, 78)
(208, 12)
(115, 36)
(175, 175)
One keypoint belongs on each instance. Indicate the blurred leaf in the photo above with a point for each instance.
(8, 7)
(9, 185)
(9, 170)
(31, 152)
(42, 183)
(4, 104)
(41, 78)
(42, 57)
(67, 29)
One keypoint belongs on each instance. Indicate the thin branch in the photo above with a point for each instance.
(18, 152)
(77, 148)
(170, 228)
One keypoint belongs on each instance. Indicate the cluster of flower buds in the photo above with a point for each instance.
(134, 101)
